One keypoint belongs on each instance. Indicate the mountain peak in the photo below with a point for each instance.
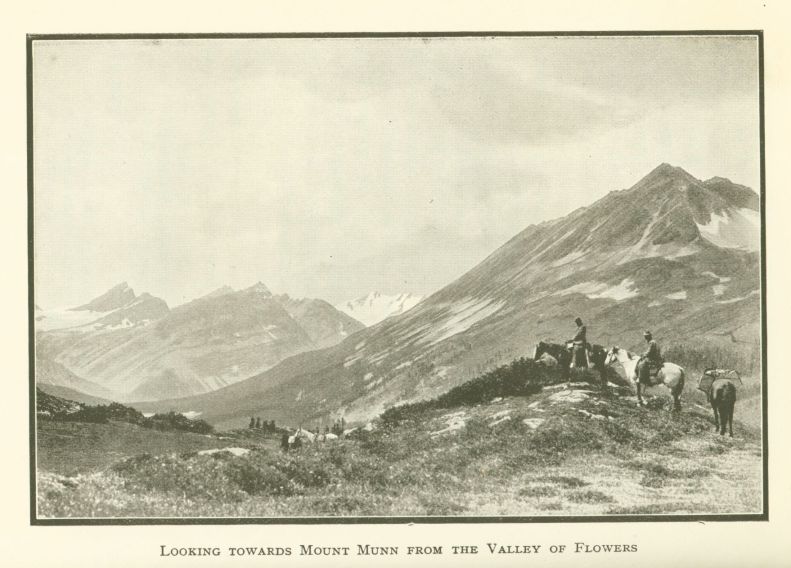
(375, 306)
(259, 288)
(221, 291)
(716, 180)
(116, 297)
(665, 172)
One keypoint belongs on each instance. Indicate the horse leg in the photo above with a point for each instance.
(730, 417)
(716, 416)
(676, 392)
(723, 412)
(640, 393)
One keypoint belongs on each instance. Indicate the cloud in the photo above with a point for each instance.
(491, 106)
(330, 167)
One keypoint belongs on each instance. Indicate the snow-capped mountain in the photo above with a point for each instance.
(137, 353)
(673, 254)
(375, 307)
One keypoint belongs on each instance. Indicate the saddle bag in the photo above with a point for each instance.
(711, 375)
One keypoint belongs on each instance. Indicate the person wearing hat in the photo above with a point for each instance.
(652, 358)
(579, 355)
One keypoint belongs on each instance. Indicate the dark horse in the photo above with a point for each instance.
(723, 398)
(720, 388)
(562, 354)
(558, 352)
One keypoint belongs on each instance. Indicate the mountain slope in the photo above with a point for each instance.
(55, 379)
(135, 353)
(635, 259)
(324, 324)
(116, 297)
(375, 307)
(118, 307)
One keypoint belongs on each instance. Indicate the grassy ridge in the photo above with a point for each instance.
(519, 451)
(49, 407)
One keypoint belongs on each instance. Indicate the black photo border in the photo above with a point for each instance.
(35, 520)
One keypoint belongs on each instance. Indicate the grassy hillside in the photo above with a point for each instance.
(509, 443)
(70, 448)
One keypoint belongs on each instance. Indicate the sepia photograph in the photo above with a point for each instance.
(397, 277)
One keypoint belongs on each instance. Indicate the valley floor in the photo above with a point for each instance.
(563, 451)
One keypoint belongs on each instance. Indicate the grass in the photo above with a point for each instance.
(71, 447)
(744, 358)
(580, 459)
(590, 496)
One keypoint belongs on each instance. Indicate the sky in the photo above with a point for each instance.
(328, 168)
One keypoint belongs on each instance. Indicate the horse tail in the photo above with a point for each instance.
(681, 380)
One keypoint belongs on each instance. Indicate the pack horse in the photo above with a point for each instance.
(720, 388)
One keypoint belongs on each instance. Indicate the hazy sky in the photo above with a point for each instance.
(331, 167)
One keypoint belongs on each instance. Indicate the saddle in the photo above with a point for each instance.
(653, 370)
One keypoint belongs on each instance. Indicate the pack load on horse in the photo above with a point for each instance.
(720, 387)
(710, 375)
(669, 375)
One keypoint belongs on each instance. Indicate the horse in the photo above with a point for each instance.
(561, 354)
(558, 352)
(722, 397)
(670, 375)
(720, 389)
(296, 440)
(597, 355)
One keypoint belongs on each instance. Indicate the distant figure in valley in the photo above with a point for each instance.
(258, 423)
(579, 343)
(284, 441)
(252, 422)
(650, 361)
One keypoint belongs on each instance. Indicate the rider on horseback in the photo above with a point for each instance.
(650, 361)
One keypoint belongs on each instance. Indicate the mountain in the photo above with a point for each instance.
(324, 324)
(140, 350)
(118, 307)
(221, 291)
(71, 394)
(56, 379)
(375, 307)
(116, 297)
(673, 254)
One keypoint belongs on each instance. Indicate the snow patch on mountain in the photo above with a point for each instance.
(595, 290)
(462, 317)
(722, 279)
(63, 318)
(737, 228)
(677, 295)
(375, 307)
(740, 298)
